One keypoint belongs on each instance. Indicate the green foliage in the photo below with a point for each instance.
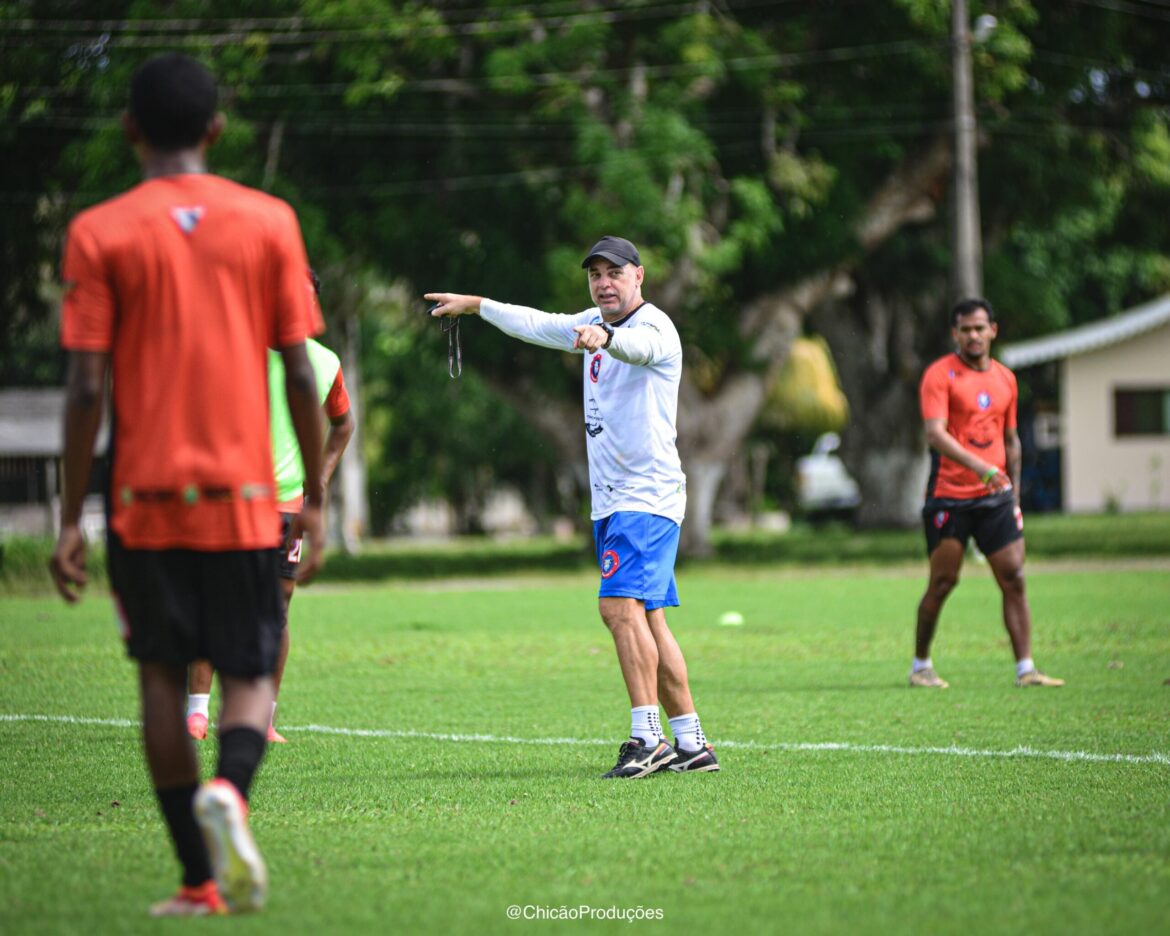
(430, 436)
(481, 148)
(24, 561)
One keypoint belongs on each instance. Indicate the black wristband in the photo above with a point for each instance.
(608, 329)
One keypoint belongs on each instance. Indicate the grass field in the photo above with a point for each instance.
(432, 780)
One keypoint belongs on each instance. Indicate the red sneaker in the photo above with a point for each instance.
(197, 726)
(275, 737)
(203, 900)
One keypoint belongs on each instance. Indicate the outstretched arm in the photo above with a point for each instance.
(452, 304)
(530, 325)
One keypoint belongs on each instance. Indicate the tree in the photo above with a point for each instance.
(781, 168)
(1073, 114)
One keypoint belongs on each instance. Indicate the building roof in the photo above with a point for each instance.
(31, 422)
(1091, 337)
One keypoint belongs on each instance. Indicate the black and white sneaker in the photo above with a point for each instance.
(637, 759)
(694, 761)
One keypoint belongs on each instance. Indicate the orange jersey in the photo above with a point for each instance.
(337, 402)
(978, 406)
(186, 281)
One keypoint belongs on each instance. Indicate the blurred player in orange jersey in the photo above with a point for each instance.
(177, 288)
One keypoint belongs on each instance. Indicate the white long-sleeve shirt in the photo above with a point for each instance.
(631, 403)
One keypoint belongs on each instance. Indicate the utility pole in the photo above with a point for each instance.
(968, 244)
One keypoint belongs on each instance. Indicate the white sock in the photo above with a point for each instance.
(272, 718)
(688, 733)
(921, 665)
(1024, 666)
(198, 704)
(645, 724)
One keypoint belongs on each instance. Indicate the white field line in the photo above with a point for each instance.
(812, 746)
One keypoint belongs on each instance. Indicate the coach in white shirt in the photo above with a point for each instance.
(632, 367)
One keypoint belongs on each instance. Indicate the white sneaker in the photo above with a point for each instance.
(928, 679)
(239, 869)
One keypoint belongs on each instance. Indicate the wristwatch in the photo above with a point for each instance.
(608, 329)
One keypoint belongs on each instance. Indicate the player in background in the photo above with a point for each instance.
(969, 408)
(176, 289)
(290, 479)
(632, 367)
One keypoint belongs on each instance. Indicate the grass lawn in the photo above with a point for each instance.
(446, 738)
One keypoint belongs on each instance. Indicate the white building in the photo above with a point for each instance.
(1114, 378)
(30, 450)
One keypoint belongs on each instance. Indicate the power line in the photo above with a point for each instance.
(837, 55)
(535, 15)
(298, 30)
(1079, 62)
(1160, 12)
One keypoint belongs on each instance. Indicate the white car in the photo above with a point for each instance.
(824, 488)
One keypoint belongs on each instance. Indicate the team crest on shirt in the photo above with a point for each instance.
(609, 563)
(941, 518)
(187, 218)
(984, 400)
(595, 367)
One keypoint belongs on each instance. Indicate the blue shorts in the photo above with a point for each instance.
(636, 553)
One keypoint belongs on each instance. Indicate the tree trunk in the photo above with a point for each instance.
(704, 475)
(880, 344)
(712, 428)
(344, 293)
(353, 507)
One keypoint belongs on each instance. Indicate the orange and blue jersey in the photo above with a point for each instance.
(978, 407)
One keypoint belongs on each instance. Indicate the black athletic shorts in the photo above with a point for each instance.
(288, 554)
(180, 605)
(992, 520)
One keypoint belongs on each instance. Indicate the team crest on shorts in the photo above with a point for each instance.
(941, 518)
(595, 367)
(609, 563)
(984, 400)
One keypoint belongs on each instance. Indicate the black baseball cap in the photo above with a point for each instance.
(614, 249)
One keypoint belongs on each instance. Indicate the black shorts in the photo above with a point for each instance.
(288, 554)
(991, 520)
(180, 605)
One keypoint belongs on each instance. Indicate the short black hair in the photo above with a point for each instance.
(173, 99)
(967, 306)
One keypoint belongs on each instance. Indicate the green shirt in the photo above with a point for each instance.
(286, 453)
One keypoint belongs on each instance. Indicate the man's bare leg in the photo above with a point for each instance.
(945, 562)
(1008, 566)
(646, 752)
(637, 651)
(673, 686)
